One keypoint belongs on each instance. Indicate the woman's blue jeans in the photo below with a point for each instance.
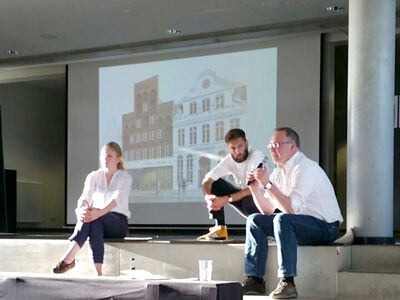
(288, 231)
(111, 225)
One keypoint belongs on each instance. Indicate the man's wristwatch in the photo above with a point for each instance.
(230, 199)
(268, 185)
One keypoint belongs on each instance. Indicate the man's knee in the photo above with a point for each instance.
(283, 220)
(221, 187)
(253, 221)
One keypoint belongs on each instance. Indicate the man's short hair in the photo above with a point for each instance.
(233, 134)
(291, 135)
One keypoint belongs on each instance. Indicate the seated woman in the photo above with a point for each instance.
(102, 210)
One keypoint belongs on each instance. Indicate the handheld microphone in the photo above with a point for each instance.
(260, 165)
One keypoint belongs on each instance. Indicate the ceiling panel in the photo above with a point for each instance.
(50, 27)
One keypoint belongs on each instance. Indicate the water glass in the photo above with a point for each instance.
(205, 270)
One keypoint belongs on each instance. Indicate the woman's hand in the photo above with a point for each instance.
(81, 212)
(92, 214)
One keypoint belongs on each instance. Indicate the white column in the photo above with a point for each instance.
(370, 119)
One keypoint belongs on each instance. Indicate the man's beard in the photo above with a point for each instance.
(245, 155)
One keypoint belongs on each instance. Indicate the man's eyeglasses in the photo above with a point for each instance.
(277, 145)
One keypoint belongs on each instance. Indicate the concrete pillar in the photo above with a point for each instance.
(370, 120)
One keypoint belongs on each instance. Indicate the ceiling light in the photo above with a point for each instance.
(334, 8)
(174, 31)
(12, 52)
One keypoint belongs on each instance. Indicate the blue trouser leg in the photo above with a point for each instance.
(291, 230)
(111, 225)
(258, 228)
(288, 230)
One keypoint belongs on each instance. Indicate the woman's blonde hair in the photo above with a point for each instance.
(117, 149)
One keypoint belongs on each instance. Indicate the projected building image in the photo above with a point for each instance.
(147, 138)
(211, 107)
(171, 116)
(170, 145)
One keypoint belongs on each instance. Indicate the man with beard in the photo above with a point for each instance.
(218, 192)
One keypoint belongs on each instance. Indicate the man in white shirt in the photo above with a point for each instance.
(218, 192)
(309, 215)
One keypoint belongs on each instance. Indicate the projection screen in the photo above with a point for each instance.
(170, 112)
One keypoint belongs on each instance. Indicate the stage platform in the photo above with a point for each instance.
(172, 259)
(333, 271)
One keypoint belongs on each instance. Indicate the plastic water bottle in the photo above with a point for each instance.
(77, 269)
(133, 267)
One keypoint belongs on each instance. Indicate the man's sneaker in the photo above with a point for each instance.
(63, 267)
(284, 290)
(219, 232)
(252, 286)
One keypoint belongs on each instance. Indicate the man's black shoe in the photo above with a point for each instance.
(252, 286)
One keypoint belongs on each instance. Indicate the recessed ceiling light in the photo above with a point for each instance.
(174, 31)
(334, 8)
(13, 52)
(48, 36)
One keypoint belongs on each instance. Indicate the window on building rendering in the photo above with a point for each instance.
(205, 133)
(206, 104)
(193, 135)
(180, 168)
(152, 120)
(138, 123)
(219, 131)
(168, 150)
(234, 123)
(144, 106)
(219, 101)
(159, 134)
(189, 168)
(193, 108)
(181, 137)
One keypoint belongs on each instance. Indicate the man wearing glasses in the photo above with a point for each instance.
(218, 192)
(309, 213)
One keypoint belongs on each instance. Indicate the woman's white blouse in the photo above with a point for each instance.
(98, 194)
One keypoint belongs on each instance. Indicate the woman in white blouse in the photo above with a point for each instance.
(102, 210)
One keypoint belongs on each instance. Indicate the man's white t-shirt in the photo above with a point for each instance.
(228, 166)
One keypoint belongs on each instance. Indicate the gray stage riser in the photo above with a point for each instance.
(176, 261)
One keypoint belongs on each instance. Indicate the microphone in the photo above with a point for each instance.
(260, 165)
